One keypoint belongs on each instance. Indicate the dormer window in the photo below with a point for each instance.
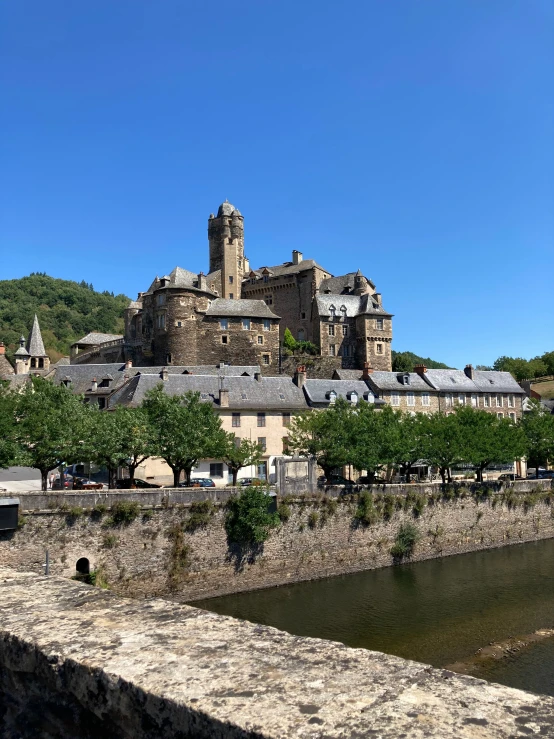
(332, 311)
(352, 397)
(106, 381)
(331, 396)
(343, 312)
(66, 381)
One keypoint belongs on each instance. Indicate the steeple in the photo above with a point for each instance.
(35, 345)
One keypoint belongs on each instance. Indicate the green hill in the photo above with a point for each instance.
(405, 362)
(66, 311)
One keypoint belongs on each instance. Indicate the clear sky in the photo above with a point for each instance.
(413, 139)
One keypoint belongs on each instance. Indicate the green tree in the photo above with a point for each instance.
(442, 443)
(485, 439)
(185, 429)
(50, 426)
(548, 359)
(239, 453)
(323, 435)
(410, 446)
(406, 361)
(374, 440)
(538, 426)
(248, 521)
(537, 368)
(9, 450)
(289, 342)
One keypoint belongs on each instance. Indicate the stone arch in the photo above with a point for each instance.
(83, 566)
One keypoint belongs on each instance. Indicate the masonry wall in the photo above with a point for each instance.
(162, 553)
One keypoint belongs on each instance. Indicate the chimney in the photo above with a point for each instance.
(468, 371)
(368, 370)
(164, 374)
(202, 281)
(300, 376)
(257, 376)
(2, 348)
(296, 256)
(128, 364)
(94, 385)
(223, 398)
(420, 369)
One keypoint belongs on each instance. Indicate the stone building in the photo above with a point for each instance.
(239, 315)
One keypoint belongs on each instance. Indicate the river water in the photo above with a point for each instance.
(439, 611)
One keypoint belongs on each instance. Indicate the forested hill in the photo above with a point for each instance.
(66, 311)
(405, 362)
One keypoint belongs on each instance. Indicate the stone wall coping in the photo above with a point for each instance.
(154, 668)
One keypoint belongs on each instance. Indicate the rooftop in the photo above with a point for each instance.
(241, 308)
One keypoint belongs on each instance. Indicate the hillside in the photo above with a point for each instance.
(66, 311)
(405, 362)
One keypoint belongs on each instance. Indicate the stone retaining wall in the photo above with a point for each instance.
(79, 661)
(163, 552)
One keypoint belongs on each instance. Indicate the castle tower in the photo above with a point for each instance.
(35, 347)
(226, 239)
(21, 358)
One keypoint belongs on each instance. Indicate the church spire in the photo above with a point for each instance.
(35, 345)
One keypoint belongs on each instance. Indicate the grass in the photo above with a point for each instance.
(405, 541)
(123, 513)
(200, 514)
(544, 389)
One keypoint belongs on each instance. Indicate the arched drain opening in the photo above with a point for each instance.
(83, 566)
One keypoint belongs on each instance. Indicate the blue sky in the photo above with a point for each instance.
(412, 139)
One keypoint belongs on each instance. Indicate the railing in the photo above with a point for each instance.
(83, 356)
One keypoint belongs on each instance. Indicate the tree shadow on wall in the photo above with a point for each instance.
(243, 554)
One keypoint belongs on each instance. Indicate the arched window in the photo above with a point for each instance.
(301, 335)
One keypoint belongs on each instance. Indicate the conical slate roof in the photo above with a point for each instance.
(35, 345)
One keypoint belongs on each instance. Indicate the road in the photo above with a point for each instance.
(19, 479)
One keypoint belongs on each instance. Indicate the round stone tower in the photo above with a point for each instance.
(226, 239)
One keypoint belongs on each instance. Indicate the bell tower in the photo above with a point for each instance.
(226, 240)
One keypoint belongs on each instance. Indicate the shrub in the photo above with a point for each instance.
(179, 556)
(109, 541)
(530, 501)
(328, 509)
(98, 511)
(248, 520)
(313, 518)
(147, 516)
(21, 521)
(405, 541)
(366, 513)
(284, 512)
(124, 512)
(200, 514)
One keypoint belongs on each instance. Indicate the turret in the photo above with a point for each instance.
(226, 240)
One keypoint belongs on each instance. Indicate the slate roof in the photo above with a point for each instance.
(346, 374)
(241, 308)
(288, 268)
(451, 380)
(384, 381)
(226, 209)
(268, 393)
(95, 339)
(81, 375)
(355, 305)
(341, 285)
(6, 368)
(35, 345)
(317, 391)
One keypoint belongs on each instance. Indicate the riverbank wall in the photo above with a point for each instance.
(181, 550)
(80, 661)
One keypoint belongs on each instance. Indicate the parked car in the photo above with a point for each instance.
(199, 482)
(124, 483)
(67, 482)
(546, 475)
(81, 483)
(247, 482)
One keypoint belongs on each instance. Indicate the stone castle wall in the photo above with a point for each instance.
(162, 552)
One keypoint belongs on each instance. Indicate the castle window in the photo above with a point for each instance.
(236, 420)
(266, 278)
(179, 324)
(303, 316)
(301, 334)
(230, 296)
(41, 363)
(345, 330)
(160, 320)
(378, 348)
(267, 324)
(425, 399)
(224, 324)
(379, 324)
(168, 358)
(246, 324)
(331, 329)
(260, 339)
(230, 279)
(268, 299)
(332, 350)
(224, 339)
(395, 399)
(161, 299)
(410, 399)
(265, 359)
(33, 363)
(261, 419)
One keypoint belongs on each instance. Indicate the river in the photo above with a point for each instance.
(440, 611)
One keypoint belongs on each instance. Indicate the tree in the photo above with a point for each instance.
(374, 438)
(289, 342)
(537, 368)
(248, 521)
(484, 439)
(410, 446)
(239, 453)
(119, 438)
(185, 430)
(323, 435)
(538, 426)
(49, 426)
(441, 443)
(8, 445)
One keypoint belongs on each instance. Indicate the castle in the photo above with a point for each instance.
(237, 315)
